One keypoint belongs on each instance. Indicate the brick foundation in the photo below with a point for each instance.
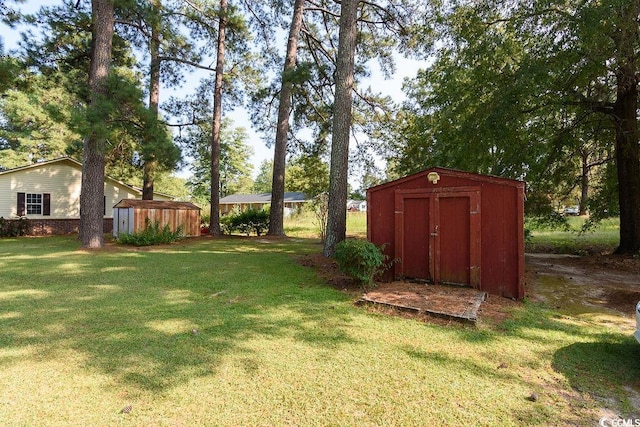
(46, 227)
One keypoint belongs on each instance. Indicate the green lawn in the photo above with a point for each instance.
(602, 239)
(234, 332)
(305, 225)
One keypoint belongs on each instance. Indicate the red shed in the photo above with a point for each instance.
(449, 226)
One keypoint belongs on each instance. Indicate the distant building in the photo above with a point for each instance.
(242, 202)
(356, 205)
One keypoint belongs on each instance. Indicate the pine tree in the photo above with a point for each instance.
(92, 193)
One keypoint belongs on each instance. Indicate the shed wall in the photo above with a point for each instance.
(501, 230)
(137, 217)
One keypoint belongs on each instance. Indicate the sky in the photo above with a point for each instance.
(240, 117)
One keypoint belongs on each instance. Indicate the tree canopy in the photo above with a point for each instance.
(542, 91)
(539, 91)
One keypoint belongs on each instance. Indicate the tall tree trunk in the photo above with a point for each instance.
(628, 161)
(343, 102)
(150, 162)
(584, 182)
(626, 121)
(276, 214)
(92, 192)
(214, 227)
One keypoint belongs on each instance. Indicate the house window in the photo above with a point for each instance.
(34, 204)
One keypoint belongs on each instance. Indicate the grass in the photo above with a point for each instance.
(306, 225)
(603, 239)
(234, 332)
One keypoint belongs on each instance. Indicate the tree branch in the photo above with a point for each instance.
(186, 62)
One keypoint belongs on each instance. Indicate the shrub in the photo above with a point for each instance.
(13, 227)
(246, 222)
(320, 206)
(205, 220)
(151, 235)
(226, 223)
(360, 259)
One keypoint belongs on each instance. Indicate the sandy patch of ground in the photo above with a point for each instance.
(602, 283)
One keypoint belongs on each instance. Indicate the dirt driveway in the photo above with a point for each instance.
(573, 284)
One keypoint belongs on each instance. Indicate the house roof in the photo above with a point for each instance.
(77, 165)
(155, 204)
(46, 162)
(289, 197)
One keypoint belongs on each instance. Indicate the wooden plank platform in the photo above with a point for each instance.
(453, 302)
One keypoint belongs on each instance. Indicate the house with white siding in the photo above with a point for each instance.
(48, 195)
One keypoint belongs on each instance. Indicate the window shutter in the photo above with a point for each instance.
(104, 206)
(21, 204)
(46, 204)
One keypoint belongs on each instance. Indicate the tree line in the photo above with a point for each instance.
(542, 91)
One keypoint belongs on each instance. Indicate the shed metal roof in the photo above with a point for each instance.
(155, 204)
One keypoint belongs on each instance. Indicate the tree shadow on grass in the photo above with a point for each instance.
(536, 322)
(158, 318)
(608, 369)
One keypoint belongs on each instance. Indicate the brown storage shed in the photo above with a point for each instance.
(130, 216)
(448, 226)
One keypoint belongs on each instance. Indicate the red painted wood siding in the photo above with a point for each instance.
(480, 235)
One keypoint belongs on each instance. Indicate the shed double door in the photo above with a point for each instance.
(122, 221)
(437, 236)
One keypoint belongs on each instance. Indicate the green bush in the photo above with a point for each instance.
(360, 259)
(13, 227)
(151, 235)
(205, 220)
(246, 222)
(225, 223)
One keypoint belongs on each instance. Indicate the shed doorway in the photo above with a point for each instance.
(123, 225)
(438, 235)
